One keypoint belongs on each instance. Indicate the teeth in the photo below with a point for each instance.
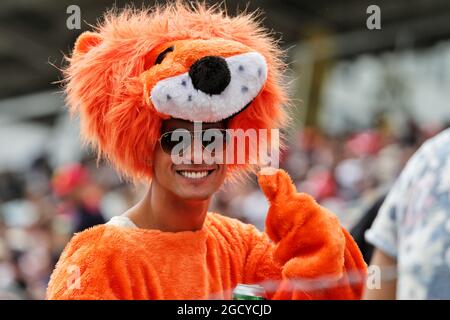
(194, 174)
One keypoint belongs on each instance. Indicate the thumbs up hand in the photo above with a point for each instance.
(309, 237)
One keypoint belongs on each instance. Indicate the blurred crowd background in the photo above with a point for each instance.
(363, 102)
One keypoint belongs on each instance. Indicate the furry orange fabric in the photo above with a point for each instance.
(109, 76)
(307, 245)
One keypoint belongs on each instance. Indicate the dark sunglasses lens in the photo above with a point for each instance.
(171, 140)
(215, 139)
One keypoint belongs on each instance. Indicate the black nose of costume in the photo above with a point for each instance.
(210, 74)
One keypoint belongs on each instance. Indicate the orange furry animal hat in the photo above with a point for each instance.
(140, 67)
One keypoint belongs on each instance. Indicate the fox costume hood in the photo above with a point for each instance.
(140, 67)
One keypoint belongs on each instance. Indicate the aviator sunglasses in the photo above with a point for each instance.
(213, 140)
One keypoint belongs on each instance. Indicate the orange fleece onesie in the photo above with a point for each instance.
(141, 67)
(306, 243)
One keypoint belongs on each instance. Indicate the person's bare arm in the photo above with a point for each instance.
(387, 291)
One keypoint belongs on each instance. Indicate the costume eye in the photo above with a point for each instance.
(162, 55)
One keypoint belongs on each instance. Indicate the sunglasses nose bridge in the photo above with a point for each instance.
(192, 147)
(194, 143)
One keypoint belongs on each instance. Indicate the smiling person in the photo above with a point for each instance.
(140, 82)
(179, 195)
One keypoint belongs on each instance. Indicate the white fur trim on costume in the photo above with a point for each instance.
(177, 97)
(121, 221)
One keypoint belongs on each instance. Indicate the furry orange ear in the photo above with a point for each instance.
(86, 41)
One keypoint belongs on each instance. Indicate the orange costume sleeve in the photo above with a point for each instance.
(305, 254)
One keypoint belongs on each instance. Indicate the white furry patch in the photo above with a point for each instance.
(177, 97)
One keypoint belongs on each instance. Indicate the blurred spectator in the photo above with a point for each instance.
(39, 215)
(412, 231)
(80, 197)
(363, 225)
